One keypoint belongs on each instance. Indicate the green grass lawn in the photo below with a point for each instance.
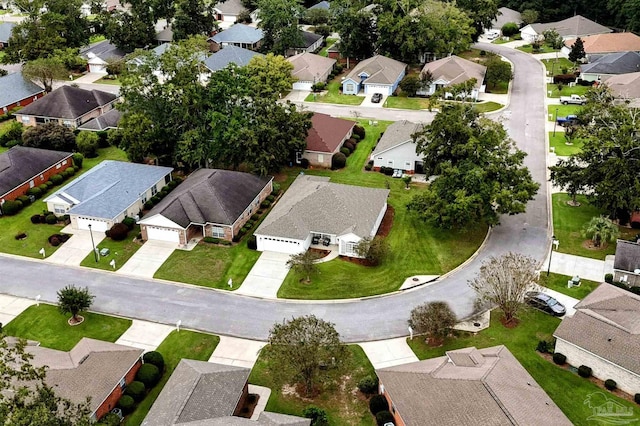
(501, 39)
(487, 106)
(177, 345)
(558, 283)
(559, 143)
(96, 38)
(334, 96)
(568, 223)
(554, 66)
(120, 251)
(107, 80)
(403, 102)
(566, 90)
(344, 405)
(562, 111)
(527, 48)
(501, 88)
(566, 389)
(110, 153)
(328, 43)
(48, 326)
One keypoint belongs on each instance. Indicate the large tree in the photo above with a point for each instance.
(480, 172)
(50, 136)
(498, 71)
(306, 350)
(279, 22)
(433, 319)
(358, 34)
(44, 71)
(481, 12)
(193, 17)
(131, 29)
(577, 51)
(270, 75)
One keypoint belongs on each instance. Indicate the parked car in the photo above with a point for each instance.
(376, 98)
(545, 303)
(573, 99)
(569, 120)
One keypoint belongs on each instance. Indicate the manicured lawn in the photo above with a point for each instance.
(559, 142)
(177, 345)
(96, 38)
(328, 43)
(487, 106)
(554, 66)
(107, 80)
(404, 102)
(558, 283)
(110, 153)
(344, 405)
(566, 90)
(527, 48)
(334, 96)
(48, 326)
(562, 111)
(501, 88)
(120, 251)
(501, 39)
(568, 223)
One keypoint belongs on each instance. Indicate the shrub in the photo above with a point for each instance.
(610, 384)
(11, 207)
(359, 130)
(110, 419)
(608, 278)
(584, 371)
(172, 184)
(129, 222)
(68, 172)
(378, 403)
(509, 29)
(77, 159)
(349, 146)
(155, 199)
(35, 219)
(35, 191)
(368, 385)
(163, 193)
(318, 87)
(51, 219)
(338, 161)
(64, 238)
(49, 184)
(368, 167)
(483, 53)
(384, 417)
(178, 180)
(211, 240)
(304, 163)
(559, 358)
(271, 198)
(21, 236)
(265, 204)
(56, 179)
(88, 143)
(25, 200)
(388, 171)
(564, 78)
(636, 398)
(346, 151)
(148, 374)
(544, 347)
(42, 188)
(118, 232)
(252, 244)
(135, 390)
(148, 205)
(166, 189)
(275, 188)
(317, 415)
(155, 358)
(54, 240)
(255, 217)
(126, 403)
(355, 137)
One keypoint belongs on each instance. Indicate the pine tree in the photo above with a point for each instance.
(577, 51)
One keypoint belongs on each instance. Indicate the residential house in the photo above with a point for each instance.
(324, 5)
(625, 88)
(611, 64)
(92, 369)
(69, 106)
(604, 334)
(5, 32)
(206, 393)
(309, 69)
(601, 44)
(209, 203)
(378, 74)
(227, 12)
(156, 51)
(314, 207)
(626, 265)
(165, 35)
(106, 121)
(108, 193)
(574, 27)
(453, 70)
(325, 138)
(311, 42)
(468, 387)
(22, 168)
(505, 15)
(239, 35)
(17, 91)
(229, 55)
(397, 148)
(100, 54)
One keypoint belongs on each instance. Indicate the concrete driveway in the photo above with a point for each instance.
(367, 101)
(148, 259)
(76, 248)
(387, 353)
(266, 276)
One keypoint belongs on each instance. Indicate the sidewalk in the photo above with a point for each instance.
(584, 267)
(238, 352)
(11, 307)
(387, 353)
(145, 335)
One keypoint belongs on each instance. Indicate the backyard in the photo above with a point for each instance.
(559, 144)
(328, 43)
(120, 251)
(333, 95)
(568, 390)
(556, 65)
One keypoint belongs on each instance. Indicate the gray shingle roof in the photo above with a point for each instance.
(469, 387)
(165, 36)
(230, 7)
(109, 188)
(625, 86)
(5, 31)
(380, 69)
(15, 87)
(229, 55)
(68, 102)
(324, 4)
(309, 38)
(396, 134)
(312, 203)
(627, 256)
(456, 70)
(574, 26)
(308, 66)
(238, 33)
(19, 164)
(103, 50)
(108, 120)
(210, 196)
(506, 15)
(613, 63)
(607, 324)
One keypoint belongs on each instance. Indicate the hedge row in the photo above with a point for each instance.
(148, 205)
(147, 377)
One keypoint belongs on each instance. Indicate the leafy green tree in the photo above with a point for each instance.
(72, 300)
(71, 59)
(87, 143)
(163, 9)
(193, 17)
(358, 35)
(279, 22)
(480, 171)
(552, 38)
(577, 51)
(569, 175)
(411, 84)
(317, 16)
(132, 29)
(50, 136)
(626, 13)
(601, 229)
(498, 71)
(481, 12)
(270, 75)
(306, 350)
(304, 263)
(375, 250)
(44, 71)
(433, 319)
(509, 29)
(529, 16)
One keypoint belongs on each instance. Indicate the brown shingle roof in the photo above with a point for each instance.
(609, 43)
(308, 66)
(456, 70)
(380, 69)
(68, 102)
(326, 132)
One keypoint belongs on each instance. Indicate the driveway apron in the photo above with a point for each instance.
(266, 276)
(74, 251)
(148, 259)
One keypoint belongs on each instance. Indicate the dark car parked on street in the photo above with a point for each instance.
(545, 303)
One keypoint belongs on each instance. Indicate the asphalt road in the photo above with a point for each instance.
(371, 319)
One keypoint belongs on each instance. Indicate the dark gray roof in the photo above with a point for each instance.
(5, 31)
(309, 38)
(627, 256)
(613, 63)
(238, 33)
(324, 4)
(111, 187)
(210, 196)
(15, 87)
(396, 134)
(108, 120)
(103, 50)
(19, 164)
(229, 55)
(68, 102)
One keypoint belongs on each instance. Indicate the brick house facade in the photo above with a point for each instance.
(111, 401)
(21, 103)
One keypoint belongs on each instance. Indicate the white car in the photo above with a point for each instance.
(492, 35)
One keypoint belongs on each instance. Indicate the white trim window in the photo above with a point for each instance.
(154, 190)
(217, 231)
(59, 208)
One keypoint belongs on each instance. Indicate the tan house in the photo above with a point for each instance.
(453, 70)
(468, 387)
(325, 137)
(601, 44)
(309, 69)
(625, 88)
(68, 106)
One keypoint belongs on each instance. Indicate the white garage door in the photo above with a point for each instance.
(280, 245)
(370, 89)
(302, 85)
(163, 234)
(98, 68)
(96, 224)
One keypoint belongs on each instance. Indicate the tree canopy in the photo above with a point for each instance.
(433, 319)
(132, 29)
(577, 51)
(193, 17)
(279, 22)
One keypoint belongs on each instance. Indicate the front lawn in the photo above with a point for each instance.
(403, 102)
(555, 66)
(489, 106)
(566, 90)
(344, 405)
(527, 48)
(559, 143)
(334, 96)
(120, 251)
(176, 346)
(108, 80)
(554, 111)
(328, 43)
(48, 326)
(558, 283)
(501, 88)
(569, 221)
(568, 390)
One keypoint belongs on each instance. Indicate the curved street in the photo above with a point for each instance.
(375, 318)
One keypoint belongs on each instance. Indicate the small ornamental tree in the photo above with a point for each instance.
(87, 143)
(509, 29)
(375, 250)
(601, 229)
(434, 319)
(72, 299)
(304, 263)
(411, 84)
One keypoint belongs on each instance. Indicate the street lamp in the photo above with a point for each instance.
(95, 253)
(554, 242)
(555, 123)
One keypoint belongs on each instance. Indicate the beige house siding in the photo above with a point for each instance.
(631, 278)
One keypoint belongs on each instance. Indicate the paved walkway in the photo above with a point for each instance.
(148, 259)
(11, 307)
(238, 352)
(266, 276)
(89, 78)
(74, 251)
(584, 267)
(145, 335)
(387, 353)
